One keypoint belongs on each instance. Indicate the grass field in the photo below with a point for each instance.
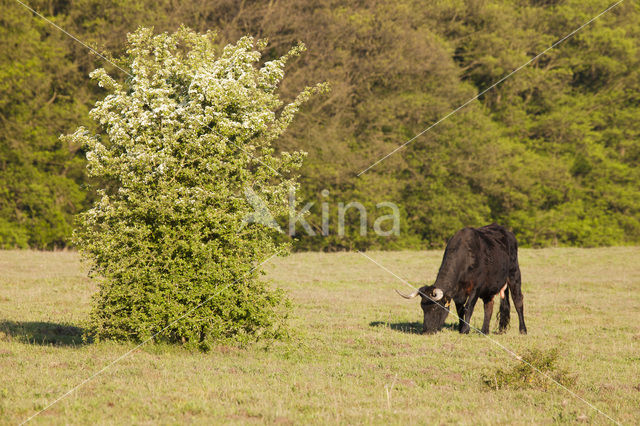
(355, 355)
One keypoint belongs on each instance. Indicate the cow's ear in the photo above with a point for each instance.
(426, 290)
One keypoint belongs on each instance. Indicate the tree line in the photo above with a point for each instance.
(551, 152)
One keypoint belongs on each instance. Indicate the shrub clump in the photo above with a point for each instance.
(523, 375)
(181, 142)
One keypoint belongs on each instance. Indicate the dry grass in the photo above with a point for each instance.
(354, 356)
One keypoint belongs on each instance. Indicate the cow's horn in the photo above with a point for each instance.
(437, 294)
(411, 296)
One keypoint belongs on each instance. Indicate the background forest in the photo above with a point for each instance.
(552, 153)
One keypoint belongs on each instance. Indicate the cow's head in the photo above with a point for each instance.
(435, 306)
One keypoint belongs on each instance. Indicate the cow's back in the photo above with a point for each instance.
(501, 237)
(498, 253)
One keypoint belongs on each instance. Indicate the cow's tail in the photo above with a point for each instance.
(504, 314)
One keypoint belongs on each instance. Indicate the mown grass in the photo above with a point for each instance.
(355, 355)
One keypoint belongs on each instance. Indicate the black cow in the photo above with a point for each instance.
(477, 263)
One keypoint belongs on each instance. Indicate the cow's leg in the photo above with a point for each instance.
(460, 310)
(518, 299)
(488, 311)
(468, 311)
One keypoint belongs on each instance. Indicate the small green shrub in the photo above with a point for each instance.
(523, 375)
(182, 140)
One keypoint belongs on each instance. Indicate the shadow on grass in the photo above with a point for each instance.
(43, 333)
(414, 327)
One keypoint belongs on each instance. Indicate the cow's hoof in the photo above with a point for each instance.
(524, 331)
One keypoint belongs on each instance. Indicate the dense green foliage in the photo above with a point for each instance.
(41, 95)
(179, 141)
(551, 153)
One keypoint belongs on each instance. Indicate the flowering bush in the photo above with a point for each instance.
(182, 140)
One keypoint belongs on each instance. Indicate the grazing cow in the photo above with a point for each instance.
(477, 263)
